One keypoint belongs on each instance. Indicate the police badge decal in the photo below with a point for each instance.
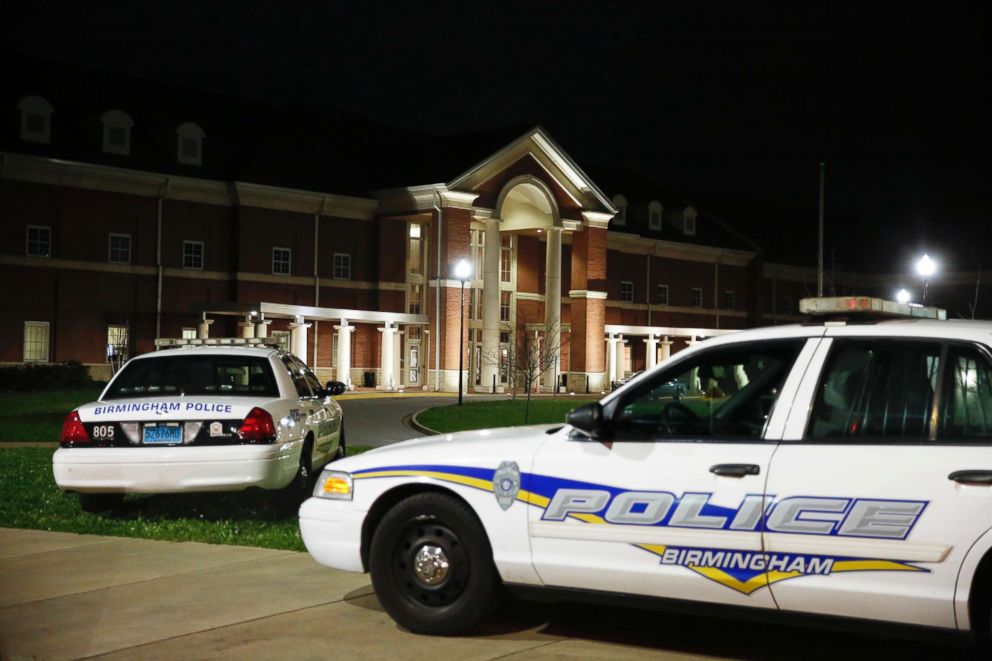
(506, 483)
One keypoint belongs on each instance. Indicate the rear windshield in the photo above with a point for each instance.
(195, 375)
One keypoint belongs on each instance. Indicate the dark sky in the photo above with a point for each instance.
(730, 104)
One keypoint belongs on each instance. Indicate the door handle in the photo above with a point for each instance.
(735, 470)
(976, 477)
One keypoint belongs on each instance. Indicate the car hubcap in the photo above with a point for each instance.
(431, 565)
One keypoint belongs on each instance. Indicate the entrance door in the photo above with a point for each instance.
(413, 364)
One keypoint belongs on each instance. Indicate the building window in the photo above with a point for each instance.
(39, 241)
(620, 202)
(662, 295)
(35, 341)
(414, 300)
(342, 266)
(475, 305)
(192, 254)
(728, 300)
(478, 246)
(117, 132)
(190, 149)
(189, 333)
(627, 291)
(505, 257)
(415, 260)
(689, 221)
(654, 215)
(119, 249)
(335, 337)
(505, 299)
(697, 297)
(282, 261)
(117, 344)
(36, 119)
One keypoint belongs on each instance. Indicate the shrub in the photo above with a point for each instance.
(48, 376)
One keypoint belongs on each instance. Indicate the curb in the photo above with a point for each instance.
(416, 424)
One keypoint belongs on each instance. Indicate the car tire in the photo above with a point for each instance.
(342, 450)
(455, 581)
(100, 502)
(300, 488)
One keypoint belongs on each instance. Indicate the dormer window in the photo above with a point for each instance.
(689, 221)
(36, 119)
(654, 215)
(620, 202)
(190, 147)
(117, 132)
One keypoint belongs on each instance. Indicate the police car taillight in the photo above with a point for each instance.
(73, 430)
(258, 427)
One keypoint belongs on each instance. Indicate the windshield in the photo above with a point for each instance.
(195, 375)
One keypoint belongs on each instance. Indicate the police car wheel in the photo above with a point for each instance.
(342, 448)
(431, 565)
(299, 489)
(100, 502)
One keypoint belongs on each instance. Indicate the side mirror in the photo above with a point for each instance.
(588, 419)
(335, 387)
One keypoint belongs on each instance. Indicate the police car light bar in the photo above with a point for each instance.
(171, 342)
(867, 306)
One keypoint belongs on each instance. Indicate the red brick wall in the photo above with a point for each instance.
(530, 265)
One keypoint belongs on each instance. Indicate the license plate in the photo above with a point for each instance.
(162, 435)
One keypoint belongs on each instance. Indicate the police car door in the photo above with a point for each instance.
(307, 406)
(670, 504)
(872, 514)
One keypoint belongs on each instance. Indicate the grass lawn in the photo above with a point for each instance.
(506, 413)
(38, 416)
(30, 499)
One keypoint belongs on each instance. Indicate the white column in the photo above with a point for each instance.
(247, 328)
(490, 307)
(386, 379)
(611, 358)
(398, 375)
(651, 355)
(552, 304)
(618, 364)
(344, 352)
(203, 329)
(298, 338)
(666, 349)
(262, 328)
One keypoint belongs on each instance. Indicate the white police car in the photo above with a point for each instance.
(838, 469)
(202, 418)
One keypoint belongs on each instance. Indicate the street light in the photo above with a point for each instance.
(902, 296)
(463, 271)
(926, 267)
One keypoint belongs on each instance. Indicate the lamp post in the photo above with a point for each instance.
(926, 267)
(463, 271)
(902, 296)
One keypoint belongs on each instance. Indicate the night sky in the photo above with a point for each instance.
(731, 105)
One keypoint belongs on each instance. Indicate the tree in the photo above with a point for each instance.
(536, 351)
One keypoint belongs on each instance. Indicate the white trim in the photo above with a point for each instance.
(117, 119)
(634, 244)
(587, 293)
(596, 219)
(670, 309)
(454, 199)
(671, 331)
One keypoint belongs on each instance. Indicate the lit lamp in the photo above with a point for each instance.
(926, 267)
(902, 296)
(463, 271)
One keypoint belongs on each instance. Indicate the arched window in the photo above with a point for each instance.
(654, 215)
(190, 146)
(36, 119)
(117, 132)
(620, 202)
(689, 221)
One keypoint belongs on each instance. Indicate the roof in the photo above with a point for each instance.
(261, 352)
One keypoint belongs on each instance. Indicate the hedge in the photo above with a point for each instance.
(47, 376)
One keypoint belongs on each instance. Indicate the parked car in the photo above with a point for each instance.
(202, 418)
(841, 470)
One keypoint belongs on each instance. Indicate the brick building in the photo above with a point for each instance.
(133, 211)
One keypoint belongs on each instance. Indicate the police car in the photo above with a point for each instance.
(837, 468)
(203, 416)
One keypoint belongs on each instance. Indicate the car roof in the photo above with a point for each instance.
(212, 350)
(951, 329)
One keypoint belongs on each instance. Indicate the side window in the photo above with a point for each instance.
(299, 377)
(876, 389)
(967, 398)
(725, 393)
